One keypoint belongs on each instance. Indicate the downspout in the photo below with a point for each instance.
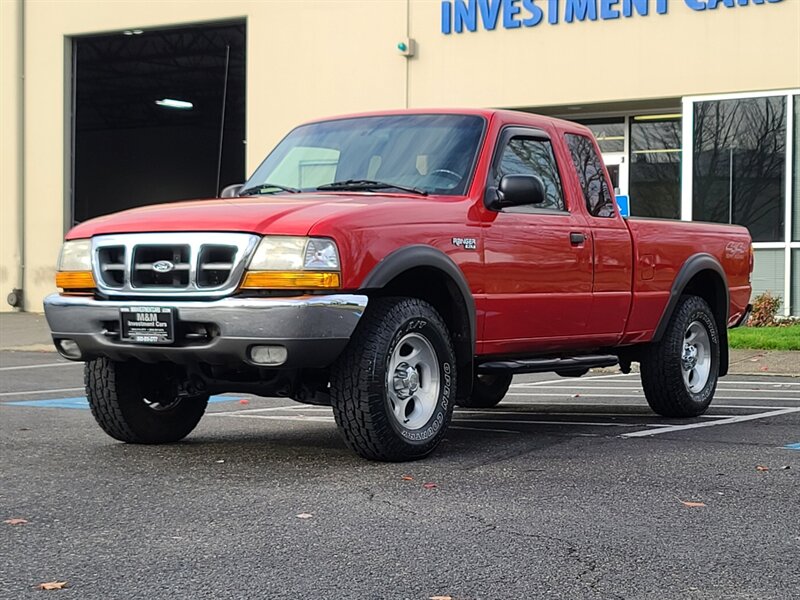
(16, 298)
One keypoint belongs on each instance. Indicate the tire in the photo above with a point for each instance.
(129, 412)
(680, 372)
(487, 391)
(392, 390)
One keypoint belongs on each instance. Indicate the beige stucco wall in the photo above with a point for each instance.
(312, 58)
(681, 53)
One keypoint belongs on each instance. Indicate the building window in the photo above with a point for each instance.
(655, 166)
(739, 164)
(609, 133)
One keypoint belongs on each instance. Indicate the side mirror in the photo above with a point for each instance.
(231, 191)
(516, 190)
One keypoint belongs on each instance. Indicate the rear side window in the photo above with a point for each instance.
(533, 156)
(591, 175)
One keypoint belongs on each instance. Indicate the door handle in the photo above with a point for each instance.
(576, 238)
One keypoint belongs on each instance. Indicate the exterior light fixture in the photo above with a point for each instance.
(132, 32)
(176, 104)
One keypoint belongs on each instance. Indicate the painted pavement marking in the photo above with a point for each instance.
(731, 421)
(82, 403)
(34, 392)
(44, 366)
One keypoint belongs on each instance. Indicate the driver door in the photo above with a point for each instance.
(537, 257)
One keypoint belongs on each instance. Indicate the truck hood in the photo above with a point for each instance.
(284, 214)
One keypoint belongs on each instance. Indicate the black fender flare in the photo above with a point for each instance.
(692, 266)
(421, 255)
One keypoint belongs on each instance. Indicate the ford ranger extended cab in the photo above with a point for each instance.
(394, 265)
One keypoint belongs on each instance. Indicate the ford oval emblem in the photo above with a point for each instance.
(163, 266)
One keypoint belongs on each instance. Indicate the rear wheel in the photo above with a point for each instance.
(138, 403)
(392, 390)
(679, 373)
(487, 391)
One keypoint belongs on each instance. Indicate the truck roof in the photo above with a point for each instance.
(490, 114)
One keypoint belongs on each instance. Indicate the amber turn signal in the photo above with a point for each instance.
(75, 280)
(299, 280)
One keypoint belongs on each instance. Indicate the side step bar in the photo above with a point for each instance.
(541, 365)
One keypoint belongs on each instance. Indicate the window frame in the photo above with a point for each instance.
(505, 135)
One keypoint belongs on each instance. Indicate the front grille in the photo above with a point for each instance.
(151, 264)
(112, 265)
(149, 260)
(215, 265)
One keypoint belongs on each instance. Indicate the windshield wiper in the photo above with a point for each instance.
(368, 184)
(265, 188)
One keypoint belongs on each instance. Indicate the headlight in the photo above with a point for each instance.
(76, 255)
(75, 266)
(283, 253)
(288, 262)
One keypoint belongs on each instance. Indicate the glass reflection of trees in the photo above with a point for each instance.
(591, 175)
(529, 156)
(654, 175)
(739, 162)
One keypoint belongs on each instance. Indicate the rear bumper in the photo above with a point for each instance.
(313, 329)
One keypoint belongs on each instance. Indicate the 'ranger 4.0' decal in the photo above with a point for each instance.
(466, 243)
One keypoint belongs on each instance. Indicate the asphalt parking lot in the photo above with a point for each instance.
(568, 489)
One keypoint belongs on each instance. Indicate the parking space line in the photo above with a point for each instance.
(562, 380)
(638, 389)
(467, 428)
(260, 410)
(44, 366)
(275, 417)
(731, 421)
(31, 392)
(639, 395)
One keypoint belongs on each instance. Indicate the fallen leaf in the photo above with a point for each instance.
(407, 478)
(53, 585)
(304, 516)
(765, 368)
(440, 598)
(15, 521)
(576, 395)
(692, 504)
(761, 468)
(244, 401)
(429, 486)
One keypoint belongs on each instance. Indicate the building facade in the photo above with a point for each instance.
(695, 103)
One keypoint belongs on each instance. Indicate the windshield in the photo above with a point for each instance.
(430, 153)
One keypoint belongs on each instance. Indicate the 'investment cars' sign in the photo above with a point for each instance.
(469, 15)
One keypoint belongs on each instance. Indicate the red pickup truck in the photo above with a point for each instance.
(393, 265)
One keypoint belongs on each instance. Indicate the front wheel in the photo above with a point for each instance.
(679, 373)
(392, 390)
(137, 403)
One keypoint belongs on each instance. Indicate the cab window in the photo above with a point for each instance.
(591, 176)
(533, 156)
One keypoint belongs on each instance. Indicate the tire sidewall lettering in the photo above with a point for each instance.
(429, 430)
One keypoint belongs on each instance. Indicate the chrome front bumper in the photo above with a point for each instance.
(313, 329)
